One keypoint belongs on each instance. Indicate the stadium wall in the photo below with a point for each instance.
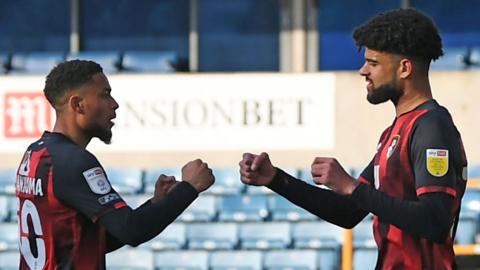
(166, 120)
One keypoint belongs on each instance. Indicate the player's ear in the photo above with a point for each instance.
(405, 67)
(76, 104)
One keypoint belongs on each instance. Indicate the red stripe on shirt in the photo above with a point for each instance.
(429, 189)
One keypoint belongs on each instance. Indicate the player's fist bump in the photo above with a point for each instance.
(198, 174)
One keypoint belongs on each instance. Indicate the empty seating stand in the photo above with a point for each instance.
(454, 58)
(149, 61)
(4, 62)
(109, 60)
(38, 63)
(125, 180)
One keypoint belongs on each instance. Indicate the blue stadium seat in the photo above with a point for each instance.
(291, 259)
(4, 208)
(151, 176)
(173, 237)
(8, 236)
(7, 180)
(109, 60)
(322, 236)
(125, 180)
(240, 208)
(149, 61)
(454, 58)
(475, 57)
(35, 62)
(203, 209)
(128, 258)
(474, 171)
(9, 260)
(265, 235)
(316, 234)
(365, 248)
(236, 260)
(282, 209)
(182, 259)
(469, 221)
(12, 208)
(4, 62)
(227, 182)
(212, 236)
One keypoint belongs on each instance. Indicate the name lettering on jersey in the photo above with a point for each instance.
(97, 181)
(108, 198)
(437, 162)
(29, 185)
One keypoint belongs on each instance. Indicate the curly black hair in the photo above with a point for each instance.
(406, 32)
(66, 76)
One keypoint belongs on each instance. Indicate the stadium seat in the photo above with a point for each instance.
(109, 60)
(322, 236)
(282, 209)
(203, 209)
(4, 62)
(291, 259)
(212, 236)
(9, 260)
(241, 208)
(35, 62)
(475, 57)
(454, 58)
(227, 182)
(474, 172)
(316, 234)
(8, 236)
(125, 180)
(182, 259)
(152, 174)
(173, 237)
(7, 180)
(12, 208)
(128, 258)
(365, 248)
(266, 235)
(236, 260)
(4, 208)
(467, 228)
(149, 61)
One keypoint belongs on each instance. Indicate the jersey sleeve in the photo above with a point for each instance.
(434, 151)
(82, 184)
(367, 175)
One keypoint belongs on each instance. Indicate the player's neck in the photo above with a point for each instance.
(415, 94)
(73, 133)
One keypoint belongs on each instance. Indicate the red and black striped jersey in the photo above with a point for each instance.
(420, 153)
(62, 191)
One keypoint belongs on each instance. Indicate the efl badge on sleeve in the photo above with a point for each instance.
(97, 181)
(437, 162)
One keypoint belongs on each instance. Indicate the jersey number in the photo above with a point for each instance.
(29, 209)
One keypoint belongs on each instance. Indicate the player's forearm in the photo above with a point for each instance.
(430, 217)
(134, 227)
(332, 207)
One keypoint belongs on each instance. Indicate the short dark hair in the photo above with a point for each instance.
(406, 32)
(67, 76)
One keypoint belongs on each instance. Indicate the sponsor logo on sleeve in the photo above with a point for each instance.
(108, 198)
(437, 162)
(97, 181)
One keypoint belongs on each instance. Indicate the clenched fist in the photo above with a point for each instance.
(197, 174)
(163, 185)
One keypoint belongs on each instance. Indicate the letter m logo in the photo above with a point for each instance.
(26, 115)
